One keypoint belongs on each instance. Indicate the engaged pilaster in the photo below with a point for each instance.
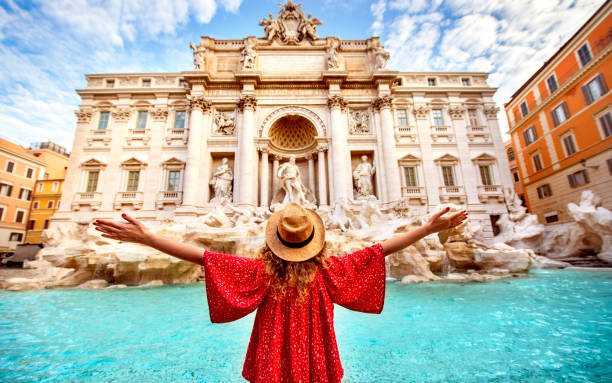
(337, 104)
(394, 189)
(199, 106)
(247, 167)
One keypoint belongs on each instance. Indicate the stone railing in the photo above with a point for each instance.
(92, 199)
(477, 129)
(414, 193)
(173, 134)
(452, 192)
(440, 129)
(141, 136)
(133, 198)
(168, 198)
(486, 192)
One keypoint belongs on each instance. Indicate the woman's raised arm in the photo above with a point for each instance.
(435, 224)
(134, 231)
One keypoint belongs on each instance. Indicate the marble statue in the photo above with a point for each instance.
(225, 124)
(271, 26)
(221, 182)
(199, 58)
(309, 27)
(381, 57)
(332, 55)
(248, 56)
(362, 177)
(291, 184)
(360, 122)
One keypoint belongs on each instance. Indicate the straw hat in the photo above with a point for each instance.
(295, 234)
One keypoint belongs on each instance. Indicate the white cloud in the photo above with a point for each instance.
(378, 9)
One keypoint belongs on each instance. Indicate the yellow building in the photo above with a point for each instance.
(47, 191)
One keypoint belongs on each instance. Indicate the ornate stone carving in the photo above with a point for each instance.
(292, 188)
(362, 178)
(382, 102)
(456, 112)
(83, 115)
(292, 26)
(271, 119)
(490, 112)
(248, 56)
(263, 148)
(292, 132)
(322, 147)
(247, 101)
(336, 101)
(121, 114)
(421, 112)
(359, 122)
(221, 181)
(160, 114)
(333, 61)
(381, 57)
(225, 124)
(199, 56)
(199, 102)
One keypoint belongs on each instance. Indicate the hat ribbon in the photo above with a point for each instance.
(296, 245)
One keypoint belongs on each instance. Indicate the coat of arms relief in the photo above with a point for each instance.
(291, 26)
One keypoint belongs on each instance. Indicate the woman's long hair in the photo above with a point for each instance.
(285, 273)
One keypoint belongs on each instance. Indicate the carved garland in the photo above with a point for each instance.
(382, 102)
(160, 114)
(247, 101)
(491, 112)
(336, 101)
(121, 114)
(83, 115)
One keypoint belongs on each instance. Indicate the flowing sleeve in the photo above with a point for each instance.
(357, 280)
(234, 285)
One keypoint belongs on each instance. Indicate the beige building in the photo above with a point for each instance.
(155, 143)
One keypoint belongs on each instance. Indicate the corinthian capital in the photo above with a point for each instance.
(322, 147)
(490, 111)
(83, 115)
(382, 102)
(121, 114)
(247, 102)
(160, 114)
(336, 101)
(199, 102)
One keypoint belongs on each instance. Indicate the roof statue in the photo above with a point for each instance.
(291, 26)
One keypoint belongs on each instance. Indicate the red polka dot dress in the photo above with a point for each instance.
(294, 342)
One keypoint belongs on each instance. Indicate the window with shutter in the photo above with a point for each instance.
(133, 176)
(584, 54)
(92, 181)
(606, 124)
(560, 114)
(569, 144)
(578, 178)
(524, 108)
(485, 175)
(594, 89)
(410, 176)
(537, 162)
(552, 83)
(448, 175)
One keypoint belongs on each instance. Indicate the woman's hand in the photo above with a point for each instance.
(439, 221)
(132, 231)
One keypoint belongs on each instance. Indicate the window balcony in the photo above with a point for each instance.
(169, 198)
(180, 136)
(416, 193)
(408, 132)
(133, 198)
(99, 137)
(478, 135)
(140, 137)
(480, 129)
(452, 194)
(91, 199)
(487, 192)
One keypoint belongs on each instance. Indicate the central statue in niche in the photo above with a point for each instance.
(292, 189)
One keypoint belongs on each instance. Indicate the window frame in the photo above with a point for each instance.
(146, 83)
(524, 111)
(539, 164)
(510, 154)
(415, 174)
(176, 114)
(103, 122)
(3, 209)
(432, 81)
(516, 176)
(550, 215)
(483, 181)
(178, 180)
(88, 180)
(50, 204)
(23, 217)
(452, 174)
(35, 205)
(433, 117)
(465, 81)
(601, 125)
(555, 116)
(553, 76)
(39, 188)
(17, 240)
(31, 170)
(563, 137)
(544, 191)
(139, 125)
(10, 188)
(587, 92)
(129, 182)
(572, 177)
(579, 58)
(110, 83)
(21, 190)
(55, 186)
(13, 166)
(527, 137)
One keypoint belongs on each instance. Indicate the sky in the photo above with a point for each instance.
(47, 46)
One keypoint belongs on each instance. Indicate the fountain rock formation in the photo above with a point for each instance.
(76, 254)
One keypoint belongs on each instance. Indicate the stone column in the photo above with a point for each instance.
(394, 190)
(199, 105)
(247, 193)
(338, 146)
(311, 173)
(265, 176)
(321, 148)
(275, 165)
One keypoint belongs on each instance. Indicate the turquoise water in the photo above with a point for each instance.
(554, 327)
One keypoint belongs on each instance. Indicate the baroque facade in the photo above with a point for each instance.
(172, 145)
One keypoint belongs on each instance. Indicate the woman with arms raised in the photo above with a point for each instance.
(293, 284)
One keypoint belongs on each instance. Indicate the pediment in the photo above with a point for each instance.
(133, 161)
(410, 158)
(93, 163)
(447, 158)
(484, 157)
(173, 162)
